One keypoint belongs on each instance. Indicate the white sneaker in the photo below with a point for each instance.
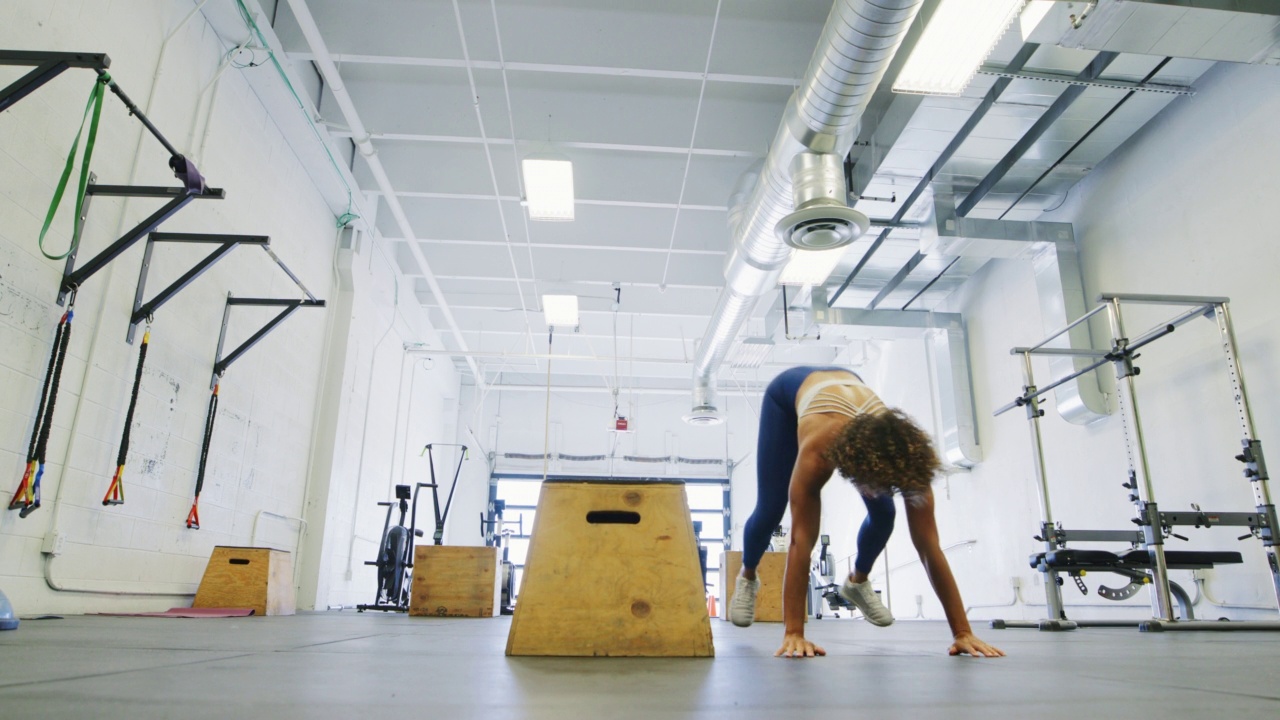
(865, 599)
(742, 608)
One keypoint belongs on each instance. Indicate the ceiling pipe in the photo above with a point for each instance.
(360, 136)
(853, 52)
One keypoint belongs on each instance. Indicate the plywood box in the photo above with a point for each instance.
(612, 570)
(769, 572)
(248, 577)
(456, 581)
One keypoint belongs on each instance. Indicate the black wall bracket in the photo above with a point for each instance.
(47, 66)
(74, 277)
(226, 243)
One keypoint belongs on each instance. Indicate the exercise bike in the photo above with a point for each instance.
(395, 554)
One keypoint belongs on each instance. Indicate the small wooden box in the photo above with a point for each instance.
(247, 577)
(456, 581)
(769, 572)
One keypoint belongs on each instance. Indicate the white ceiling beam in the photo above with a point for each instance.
(603, 283)
(618, 147)
(554, 68)
(579, 201)
(329, 71)
(563, 246)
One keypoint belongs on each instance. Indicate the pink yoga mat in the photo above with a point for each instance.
(189, 613)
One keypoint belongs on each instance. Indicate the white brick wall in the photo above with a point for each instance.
(260, 453)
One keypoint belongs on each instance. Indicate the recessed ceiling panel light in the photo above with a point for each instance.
(548, 187)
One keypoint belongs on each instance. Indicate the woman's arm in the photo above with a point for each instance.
(810, 474)
(924, 535)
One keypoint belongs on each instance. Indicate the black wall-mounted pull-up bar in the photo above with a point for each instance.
(73, 277)
(48, 65)
(226, 243)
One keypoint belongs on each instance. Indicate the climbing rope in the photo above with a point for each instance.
(115, 493)
(26, 499)
(193, 517)
(94, 106)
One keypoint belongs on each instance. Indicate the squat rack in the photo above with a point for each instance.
(1153, 524)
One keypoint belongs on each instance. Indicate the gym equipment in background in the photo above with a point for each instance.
(1149, 566)
(440, 516)
(497, 534)
(823, 588)
(395, 554)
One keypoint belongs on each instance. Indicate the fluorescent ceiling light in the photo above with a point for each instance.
(548, 187)
(1031, 17)
(810, 267)
(959, 37)
(560, 310)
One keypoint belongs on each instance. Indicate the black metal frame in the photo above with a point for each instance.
(221, 363)
(74, 277)
(226, 243)
(48, 65)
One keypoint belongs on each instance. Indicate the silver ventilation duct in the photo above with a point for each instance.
(853, 52)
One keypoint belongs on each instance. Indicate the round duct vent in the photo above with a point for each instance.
(822, 227)
(703, 415)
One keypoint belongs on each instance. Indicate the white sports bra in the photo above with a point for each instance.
(864, 401)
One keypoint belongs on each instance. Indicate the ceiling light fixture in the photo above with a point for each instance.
(959, 37)
(810, 267)
(560, 310)
(548, 187)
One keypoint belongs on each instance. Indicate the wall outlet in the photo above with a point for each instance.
(1016, 582)
(55, 543)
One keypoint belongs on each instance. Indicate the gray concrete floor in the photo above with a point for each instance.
(348, 665)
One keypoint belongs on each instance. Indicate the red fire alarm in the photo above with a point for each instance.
(620, 424)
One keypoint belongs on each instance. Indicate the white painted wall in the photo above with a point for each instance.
(140, 556)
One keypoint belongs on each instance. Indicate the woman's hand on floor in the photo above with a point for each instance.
(969, 644)
(795, 646)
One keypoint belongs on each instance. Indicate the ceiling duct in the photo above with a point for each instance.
(1243, 31)
(1051, 248)
(853, 52)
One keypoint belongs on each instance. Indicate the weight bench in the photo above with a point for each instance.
(1133, 560)
(1133, 564)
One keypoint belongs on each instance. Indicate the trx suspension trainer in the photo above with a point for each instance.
(26, 499)
(115, 493)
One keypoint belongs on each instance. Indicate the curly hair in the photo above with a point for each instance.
(884, 453)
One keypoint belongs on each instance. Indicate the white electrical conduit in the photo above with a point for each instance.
(360, 136)
(493, 175)
(515, 151)
(693, 136)
(97, 333)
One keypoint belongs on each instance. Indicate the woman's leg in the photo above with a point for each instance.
(776, 450)
(874, 534)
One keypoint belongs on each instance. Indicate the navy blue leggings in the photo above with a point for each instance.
(776, 452)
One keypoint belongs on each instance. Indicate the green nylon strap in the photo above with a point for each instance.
(94, 104)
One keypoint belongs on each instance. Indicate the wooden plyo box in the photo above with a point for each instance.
(456, 581)
(769, 572)
(248, 577)
(612, 570)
